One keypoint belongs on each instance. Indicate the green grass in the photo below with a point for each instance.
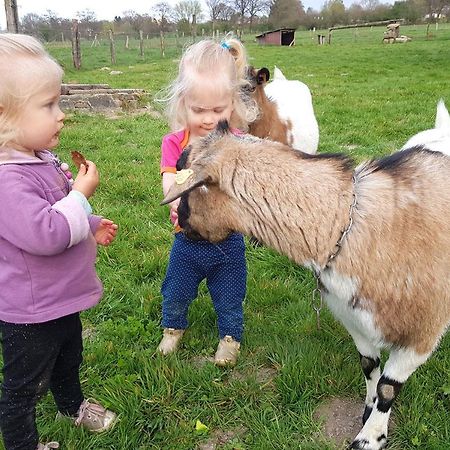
(369, 98)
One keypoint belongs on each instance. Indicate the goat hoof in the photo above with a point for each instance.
(360, 444)
(364, 444)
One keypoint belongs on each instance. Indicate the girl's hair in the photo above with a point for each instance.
(226, 64)
(26, 69)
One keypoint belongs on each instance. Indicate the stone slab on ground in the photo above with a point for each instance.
(98, 97)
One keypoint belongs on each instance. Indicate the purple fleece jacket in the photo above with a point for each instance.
(47, 247)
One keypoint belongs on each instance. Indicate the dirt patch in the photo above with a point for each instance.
(220, 438)
(341, 419)
(200, 361)
(264, 375)
(89, 334)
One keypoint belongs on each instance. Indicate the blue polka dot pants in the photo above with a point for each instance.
(224, 267)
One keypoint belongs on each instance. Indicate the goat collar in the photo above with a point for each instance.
(346, 230)
(317, 298)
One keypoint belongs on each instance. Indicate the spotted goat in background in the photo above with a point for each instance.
(286, 111)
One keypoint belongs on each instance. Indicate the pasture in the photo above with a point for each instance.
(369, 98)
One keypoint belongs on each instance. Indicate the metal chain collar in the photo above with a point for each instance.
(317, 297)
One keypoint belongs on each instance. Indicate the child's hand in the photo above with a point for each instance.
(174, 211)
(106, 231)
(87, 179)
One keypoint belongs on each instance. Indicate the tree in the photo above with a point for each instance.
(356, 13)
(88, 21)
(31, 24)
(47, 27)
(286, 13)
(86, 16)
(185, 9)
(241, 7)
(163, 14)
(410, 10)
(434, 9)
(375, 11)
(334, 13)
(228, 14)
(256, 7)
(139, 22)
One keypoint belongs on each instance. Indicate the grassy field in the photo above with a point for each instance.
(369, 98)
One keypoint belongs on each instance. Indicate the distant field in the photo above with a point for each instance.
(369, 98)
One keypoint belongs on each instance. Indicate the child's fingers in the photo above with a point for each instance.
(82, 170)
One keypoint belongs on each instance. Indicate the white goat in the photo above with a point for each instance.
(437, 138)
(286, 111)
(377, 237)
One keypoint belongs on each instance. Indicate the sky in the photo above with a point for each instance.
(107, 9)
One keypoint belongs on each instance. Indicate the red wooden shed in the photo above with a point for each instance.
(282, 36)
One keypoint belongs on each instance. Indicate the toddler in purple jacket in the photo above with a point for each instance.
(48, 241)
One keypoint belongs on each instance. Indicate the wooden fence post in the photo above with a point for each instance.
(127, 45)
(95, 42)
(12, 17)
(112, 47)
(141, 43)
(76, 48)
(194, 27)
(163, 48)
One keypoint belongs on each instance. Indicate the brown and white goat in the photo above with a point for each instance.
(286, 111)
(389, 284)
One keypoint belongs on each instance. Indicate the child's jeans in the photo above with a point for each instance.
(37, 357)
(224, 267)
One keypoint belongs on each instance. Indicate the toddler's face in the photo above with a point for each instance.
(41, 120)
(205, 108)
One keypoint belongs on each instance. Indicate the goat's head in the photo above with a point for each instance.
(436, 139)
(256, 77)
(205, 210)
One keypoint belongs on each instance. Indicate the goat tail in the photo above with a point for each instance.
(442, 116)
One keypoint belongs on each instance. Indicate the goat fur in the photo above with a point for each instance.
(390, 283)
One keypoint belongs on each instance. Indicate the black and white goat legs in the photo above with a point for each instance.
(371, 368)
(369, 356)
(400, 365)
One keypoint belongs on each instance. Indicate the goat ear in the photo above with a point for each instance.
(263, 75)
(182, 187)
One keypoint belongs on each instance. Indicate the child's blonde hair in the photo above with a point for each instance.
(26, 68)
(227, 63)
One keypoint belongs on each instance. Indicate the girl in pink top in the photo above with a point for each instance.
(208, 89)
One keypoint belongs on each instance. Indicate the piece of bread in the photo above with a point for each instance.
(78, 159)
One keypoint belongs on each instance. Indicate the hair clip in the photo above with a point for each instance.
(224, 45)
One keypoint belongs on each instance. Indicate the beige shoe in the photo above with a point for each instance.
(92, 416)
(48, 446)
(170, 341)
(95, 417)
(227, 352)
